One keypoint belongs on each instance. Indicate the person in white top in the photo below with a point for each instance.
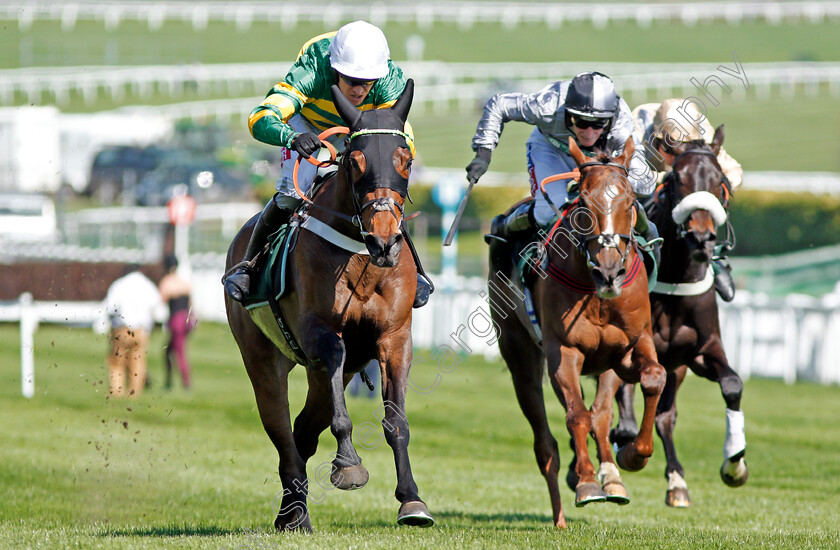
(130, 303)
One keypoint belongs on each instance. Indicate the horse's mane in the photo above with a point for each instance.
(601, 155)
(697, 144)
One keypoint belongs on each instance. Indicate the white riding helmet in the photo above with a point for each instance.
(360, 50)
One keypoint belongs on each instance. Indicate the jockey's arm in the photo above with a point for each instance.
(539, 109)
(268, 121)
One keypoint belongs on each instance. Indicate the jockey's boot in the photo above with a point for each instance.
(724, 285)
(511, 227)
(421, 295)
(648, 230)
(277, 212)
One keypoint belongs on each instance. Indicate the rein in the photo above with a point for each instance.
(605, 240)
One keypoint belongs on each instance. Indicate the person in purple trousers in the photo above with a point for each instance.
(175, 291)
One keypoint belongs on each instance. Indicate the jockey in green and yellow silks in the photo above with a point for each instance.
(356, 58)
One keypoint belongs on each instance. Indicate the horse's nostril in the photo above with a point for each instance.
(374, 244)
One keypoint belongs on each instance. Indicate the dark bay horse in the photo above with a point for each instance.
(594, 315)
(688, 208)
(344, 308)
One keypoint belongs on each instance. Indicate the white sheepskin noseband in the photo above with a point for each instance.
(699, 200)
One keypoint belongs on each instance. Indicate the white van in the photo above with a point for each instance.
(27, 217)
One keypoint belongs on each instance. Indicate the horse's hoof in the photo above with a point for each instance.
(678, 498)
(588, 492)
(416, 514)
(296, 519)
(350, 477)
(616, 492)
(734, 471)
(623, 436)
(611, 483)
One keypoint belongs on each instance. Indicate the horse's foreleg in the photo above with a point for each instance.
(713, 365)
(315, 417)
(634, 456)
(395, 353)
(326, 346)
(564, 366)
(666, 421)
(602, 416)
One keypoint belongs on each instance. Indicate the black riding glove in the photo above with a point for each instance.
(305, 144)
(479, 164)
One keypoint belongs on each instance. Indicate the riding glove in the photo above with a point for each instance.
(305, 144)
(479, 164)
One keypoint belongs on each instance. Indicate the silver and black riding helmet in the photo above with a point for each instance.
(591, 96)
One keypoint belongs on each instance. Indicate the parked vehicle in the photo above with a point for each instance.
(204, 178)
(118, 169)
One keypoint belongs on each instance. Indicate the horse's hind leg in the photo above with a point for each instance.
(651, 378)
(525, 362)
(627, 429)
(269, 371)
(602, 416)
(666, 421)
(714, 366)
(395, 354)
(326, 346)
(526, 369)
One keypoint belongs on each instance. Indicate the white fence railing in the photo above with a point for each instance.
(792, 339)
(439, 85)
(423, 14)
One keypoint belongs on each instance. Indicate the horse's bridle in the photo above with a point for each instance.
(672, 182)
(605, 240)
(380, 204)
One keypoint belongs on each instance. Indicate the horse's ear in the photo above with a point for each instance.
(717, 141)
(575, 151)
(403, 104)
(629, 150)
(346, 110)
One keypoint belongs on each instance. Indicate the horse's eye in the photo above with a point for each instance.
(357, 161)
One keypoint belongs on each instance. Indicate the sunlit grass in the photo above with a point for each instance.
(195, 470)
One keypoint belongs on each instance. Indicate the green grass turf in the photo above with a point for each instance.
(196, 470)
(88, 43)
(793, 133)
(763, 133)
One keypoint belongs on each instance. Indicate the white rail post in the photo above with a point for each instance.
(28, 324)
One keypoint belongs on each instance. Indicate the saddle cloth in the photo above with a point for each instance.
(269, 286)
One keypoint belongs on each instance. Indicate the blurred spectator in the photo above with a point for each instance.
(176, 292)
(130, 303)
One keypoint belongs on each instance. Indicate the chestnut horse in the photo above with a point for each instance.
(687, 209)
(594, 315)
(344, 308)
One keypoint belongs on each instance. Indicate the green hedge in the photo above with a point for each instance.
(775, 223)
(764, 222)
